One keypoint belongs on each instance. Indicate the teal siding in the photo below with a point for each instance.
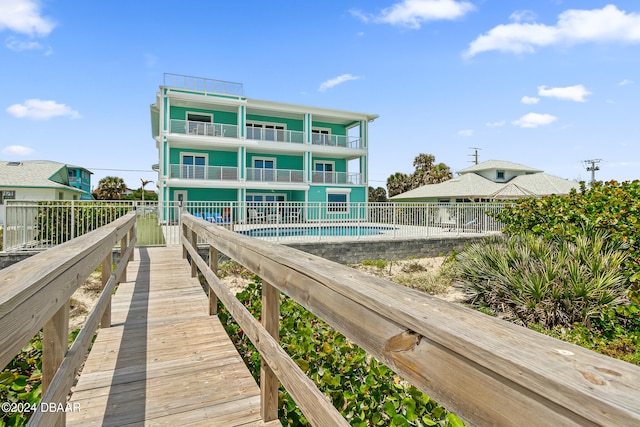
(207, 194)
(215, 158)
(335, 129)
(282, 161)
(180, 113)
(291, 124)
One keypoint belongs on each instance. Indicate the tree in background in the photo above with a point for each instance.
(378, 194)
(426, 172)
(110, 188)
(398, 183)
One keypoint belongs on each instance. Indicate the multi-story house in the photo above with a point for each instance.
(216, 145)
(80, 177)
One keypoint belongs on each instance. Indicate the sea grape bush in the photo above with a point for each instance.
(366, 392)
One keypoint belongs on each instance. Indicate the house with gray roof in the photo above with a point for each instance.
(36, 180)
(491, 180)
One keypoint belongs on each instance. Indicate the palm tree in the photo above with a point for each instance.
(110, 188)
(398, 183)
(144, 183)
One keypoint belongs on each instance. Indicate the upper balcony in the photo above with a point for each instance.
(222, 130)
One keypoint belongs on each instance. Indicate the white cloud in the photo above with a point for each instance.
(465, 132)
(23, 16)
(17, 150)
(336, 81)
(575, 93)
(530, 100)
(19, 45)
(574, 26)
(625, 82)
(413, 13)
(496, 124)
(533, 120)
(39, 109)
(523, 16)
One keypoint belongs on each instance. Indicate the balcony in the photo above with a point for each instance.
(211, 173)
(336, 178)
(201, 84)
(187, 127)
(275, 175)
(276, 135)
(335, 141)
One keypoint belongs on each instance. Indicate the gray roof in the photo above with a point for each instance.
(498, 164)
(472, 186)
(35, 174)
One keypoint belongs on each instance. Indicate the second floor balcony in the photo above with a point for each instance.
(336, 178)
(215, 173)
(275, 175)
(265, 133)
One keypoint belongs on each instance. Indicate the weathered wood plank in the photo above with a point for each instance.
(169, 362)
(537, 379)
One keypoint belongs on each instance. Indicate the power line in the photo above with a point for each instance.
(474, 155)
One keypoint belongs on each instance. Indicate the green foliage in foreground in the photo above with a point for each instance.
(527, 279)
(365, 391)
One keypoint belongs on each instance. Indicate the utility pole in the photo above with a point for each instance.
(474, 155)
(592, 166)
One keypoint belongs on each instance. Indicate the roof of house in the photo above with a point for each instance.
(471, 185)
(498, 164)
(35, 174)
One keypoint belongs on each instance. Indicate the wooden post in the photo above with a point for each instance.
(268, 380)
(194, 243)
(55, 344)
(123, 249)
(105, 322)
(185, 234)
(132, 233)
(213, 265)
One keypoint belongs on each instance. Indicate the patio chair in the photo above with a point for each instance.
(446, 220)
(293, 215)
(219, 219)
(254, 215)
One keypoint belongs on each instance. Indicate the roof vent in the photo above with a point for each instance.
(14, 163)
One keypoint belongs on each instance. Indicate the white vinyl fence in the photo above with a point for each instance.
(40, 225)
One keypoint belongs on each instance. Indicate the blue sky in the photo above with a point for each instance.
(545, 83)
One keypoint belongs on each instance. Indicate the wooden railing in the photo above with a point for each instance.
(487, 371)
(35, 293)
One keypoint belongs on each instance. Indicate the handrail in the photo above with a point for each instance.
(35, 293)
(485, 370)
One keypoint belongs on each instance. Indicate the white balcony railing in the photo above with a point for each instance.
(214, 173)
(202, 84)
(204, 129)
(277, 135)
(336, 178)
(275, 175)
(335, 141)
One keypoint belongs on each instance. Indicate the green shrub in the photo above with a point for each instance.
(528, 279)
(365, 391)
(379, 263)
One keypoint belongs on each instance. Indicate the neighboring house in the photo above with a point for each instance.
(490, 181)
(35, 180)
(80, 177)
(217, 145)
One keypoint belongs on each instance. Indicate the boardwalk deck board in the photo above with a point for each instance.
(164, 361)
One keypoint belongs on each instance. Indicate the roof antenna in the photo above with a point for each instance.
(474, 155)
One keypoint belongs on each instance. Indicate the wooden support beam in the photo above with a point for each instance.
(268, 380)
(193, 238)
(213, 265)
(105, 322)
(123, 249)
(132, 238)
(55, 344)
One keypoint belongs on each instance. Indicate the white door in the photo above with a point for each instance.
(180, 199)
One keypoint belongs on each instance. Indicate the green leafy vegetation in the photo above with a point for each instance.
(379, 263)
(365, 391)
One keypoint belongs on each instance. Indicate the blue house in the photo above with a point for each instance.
(216, 145)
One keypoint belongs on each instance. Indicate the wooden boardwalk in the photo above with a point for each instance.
(164, 361)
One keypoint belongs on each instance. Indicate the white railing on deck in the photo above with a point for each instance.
(335, 141)
(275, 175)
(187, 127)
(276, 135)
(202, 84)
(34, 225)
(336, 178)
(215, 173)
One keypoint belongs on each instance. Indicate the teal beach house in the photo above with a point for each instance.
(215, 145)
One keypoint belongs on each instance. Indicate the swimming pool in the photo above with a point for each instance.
(318, 230)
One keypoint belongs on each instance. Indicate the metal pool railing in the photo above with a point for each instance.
(37, 225)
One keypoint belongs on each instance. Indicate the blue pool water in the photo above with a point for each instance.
(326, 230)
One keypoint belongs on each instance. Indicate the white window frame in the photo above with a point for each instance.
(333, 171)
(321, 131)
(346, 192)
(265, 159)
(195, 130)
(263, 126)
(194, 155)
